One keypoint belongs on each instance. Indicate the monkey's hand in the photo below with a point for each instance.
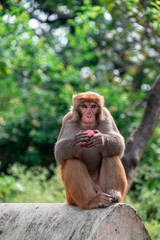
(81, 138)
(96, 140)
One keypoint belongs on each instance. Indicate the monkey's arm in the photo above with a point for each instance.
(69, 143)
(66, 149)
(109, 144)
(112, 144)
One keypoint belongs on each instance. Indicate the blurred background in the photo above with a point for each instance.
(49, 51)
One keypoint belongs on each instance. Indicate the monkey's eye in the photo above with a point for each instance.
(94, 106)
(84, 106)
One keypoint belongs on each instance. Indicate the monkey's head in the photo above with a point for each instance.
(88, 105)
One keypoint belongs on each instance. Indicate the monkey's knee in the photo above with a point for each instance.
(71, 164)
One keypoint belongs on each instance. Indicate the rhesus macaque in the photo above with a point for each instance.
(92, 176)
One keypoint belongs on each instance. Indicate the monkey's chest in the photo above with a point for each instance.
(92, 158)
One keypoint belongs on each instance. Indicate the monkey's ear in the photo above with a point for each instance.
(102, 101)
(73, 98)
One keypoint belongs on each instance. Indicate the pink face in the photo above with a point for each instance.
(88, 111)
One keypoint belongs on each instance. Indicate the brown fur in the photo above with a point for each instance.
(88, 97)
(92, 177)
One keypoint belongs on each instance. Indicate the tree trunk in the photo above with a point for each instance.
(35, 221)
(140, 137)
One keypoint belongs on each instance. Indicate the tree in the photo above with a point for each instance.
(61, 221)
(140, 137)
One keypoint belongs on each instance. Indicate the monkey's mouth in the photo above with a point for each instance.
(88, 124)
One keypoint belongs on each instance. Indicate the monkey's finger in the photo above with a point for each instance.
(78, 135)
(82, 133)
(95, 141)
(92, 141)
(82, 139)
(102, 204)
(105, 202)
(96, 131)
(80, 144)
(81, 136)
(105, 199)
(106, 196)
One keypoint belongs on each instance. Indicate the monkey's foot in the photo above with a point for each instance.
(105, 199)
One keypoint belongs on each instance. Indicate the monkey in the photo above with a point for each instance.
(93, 177)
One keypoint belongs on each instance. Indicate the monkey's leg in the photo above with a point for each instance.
(112, 178)
(79, 186)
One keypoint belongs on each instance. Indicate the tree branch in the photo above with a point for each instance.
(140, 137)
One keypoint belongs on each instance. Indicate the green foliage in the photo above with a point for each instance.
(31, 79)
(31, 186)
(153, 229)
(144, 205)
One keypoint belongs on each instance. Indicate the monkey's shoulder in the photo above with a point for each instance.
(106, 112)
(68, 116)
(106, 122)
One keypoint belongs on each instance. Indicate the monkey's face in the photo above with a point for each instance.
(88, 111)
